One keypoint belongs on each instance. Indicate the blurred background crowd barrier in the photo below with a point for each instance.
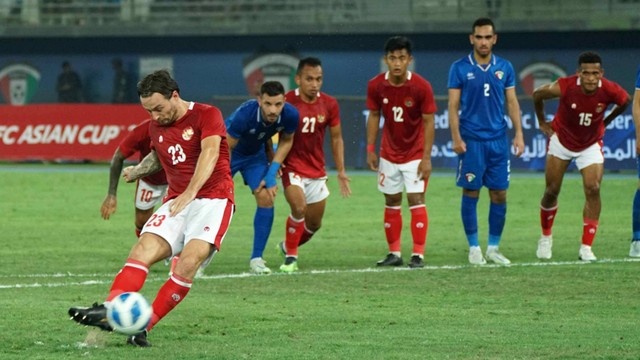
(158, 17)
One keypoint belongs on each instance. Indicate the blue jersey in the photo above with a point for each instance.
(482, 95)
(246, 125)
(638, 79)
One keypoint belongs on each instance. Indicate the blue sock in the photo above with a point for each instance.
(262, 222)
(497, 216)
(470, 219)
(636, 216)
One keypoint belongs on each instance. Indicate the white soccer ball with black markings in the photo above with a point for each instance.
(129, 313)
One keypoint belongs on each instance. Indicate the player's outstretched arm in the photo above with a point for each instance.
(617, 110)
(110, 203)
(337, 148)
(373, 124)
(635, 110)
(424, 168)
(458, 145)
(513, 108)
(149, 165)
(540, 94)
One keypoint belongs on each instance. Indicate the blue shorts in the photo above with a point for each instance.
(253, 168)
(486, 163)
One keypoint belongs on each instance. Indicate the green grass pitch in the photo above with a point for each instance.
(57, 252)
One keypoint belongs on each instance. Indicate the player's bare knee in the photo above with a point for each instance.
(299, 211)
(592, 189)
(150, 249)
(187, 266)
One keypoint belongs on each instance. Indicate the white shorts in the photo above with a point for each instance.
(203, 219)
(392, 178)
(148, 196)
(315, 190)
(589, 156)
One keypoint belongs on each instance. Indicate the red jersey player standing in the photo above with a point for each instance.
(304, 175)
(406, 101)
(189, 144)
(576, 134)
(149, 190)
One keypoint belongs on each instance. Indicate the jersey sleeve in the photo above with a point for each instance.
(372, 96)
(638, 79)
(563, 83)
(429, 102)
(291, 119)
(510, 78)
(132, 142)
(454, 81)
(334, 113)
(212, 123)
(619, 94)
(235, 123)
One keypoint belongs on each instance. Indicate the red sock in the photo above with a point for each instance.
(130, 278)
(393, 227)
(295, 228)
(419, 227)
(169, 296)
(546, 219)
(306, 236)
(589, 229)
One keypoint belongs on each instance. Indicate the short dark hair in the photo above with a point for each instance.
(483, 21)
(159, 81)
(589, 57)
(398, 43)
(272, 88)
(308, 61)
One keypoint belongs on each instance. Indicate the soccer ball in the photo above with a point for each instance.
(129, 313)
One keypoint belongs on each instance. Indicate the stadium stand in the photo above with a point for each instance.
(193, 17)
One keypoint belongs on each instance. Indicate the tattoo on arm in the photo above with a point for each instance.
(114, 174)
(149, 165)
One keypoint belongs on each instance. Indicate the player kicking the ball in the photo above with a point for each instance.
(189, 143)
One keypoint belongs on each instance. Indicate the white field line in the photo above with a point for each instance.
(108, 278)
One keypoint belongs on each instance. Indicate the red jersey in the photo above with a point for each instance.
(402, 108)
(138, 141)
(306, 157)
(178, 148)
(579, 121)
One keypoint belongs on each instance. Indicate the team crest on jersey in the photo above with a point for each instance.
(279, 128)
(160, 139)
(470, 177)
(320, 119)
(408, 102)
(187, 133)
(499, 74)
(600, 107)
(260, 136)
(385, 101)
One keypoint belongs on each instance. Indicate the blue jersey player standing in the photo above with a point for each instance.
(635, 110)
(249, 130)
(478, 86)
